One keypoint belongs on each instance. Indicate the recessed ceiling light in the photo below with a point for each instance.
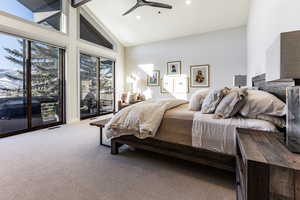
(188, 2)
(138, 17)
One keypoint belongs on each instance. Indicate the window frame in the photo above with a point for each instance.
(64, 19)
(86, 13)
(62, 92)
(98, 83)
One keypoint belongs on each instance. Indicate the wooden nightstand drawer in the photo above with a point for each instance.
(265, 169)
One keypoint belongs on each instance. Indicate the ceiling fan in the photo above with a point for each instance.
(141, 3)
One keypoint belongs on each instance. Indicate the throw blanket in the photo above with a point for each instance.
(220, 134)
(142, 119)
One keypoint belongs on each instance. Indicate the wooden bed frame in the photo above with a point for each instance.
(202, 156)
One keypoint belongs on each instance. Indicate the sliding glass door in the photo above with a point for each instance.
(88, 86)
(97, 92)
(31, 85)
(106, 90)
(46, 84)
(13, 84)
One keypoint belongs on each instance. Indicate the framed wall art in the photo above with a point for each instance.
(200, 76)
(167, 85)
(154, 78)
(181, 85)
(174, 68)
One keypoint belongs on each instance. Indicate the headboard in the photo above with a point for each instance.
(277, 88)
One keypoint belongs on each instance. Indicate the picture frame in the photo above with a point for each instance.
(200, 76)
(181, 85)
(153, 79)
(174, 68)
(167, 85)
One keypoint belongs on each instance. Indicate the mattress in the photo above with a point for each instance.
(217, 135)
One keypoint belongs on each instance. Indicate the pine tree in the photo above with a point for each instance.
(44, 69)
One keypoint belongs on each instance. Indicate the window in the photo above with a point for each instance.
(97, 92)
(45, 12)
(88, 86)
(31, 86)
(106, 88)
(89, 33)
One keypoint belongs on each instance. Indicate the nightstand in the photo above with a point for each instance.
(265, 168)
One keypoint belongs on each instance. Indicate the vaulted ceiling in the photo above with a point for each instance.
(146, 25)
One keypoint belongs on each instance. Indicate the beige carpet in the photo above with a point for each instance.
(68, 164)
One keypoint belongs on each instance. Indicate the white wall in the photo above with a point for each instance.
(267, 19)
(73, 45)
(224, 50)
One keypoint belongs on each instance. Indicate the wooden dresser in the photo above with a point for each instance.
(265, 168)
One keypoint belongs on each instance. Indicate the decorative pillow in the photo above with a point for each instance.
(260, 102)
(212, 100)
(197, 99)
(124, 98)
(277, 121)
(132, 97)
(231, 103)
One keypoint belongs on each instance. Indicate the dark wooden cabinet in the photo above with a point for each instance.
(265, 169)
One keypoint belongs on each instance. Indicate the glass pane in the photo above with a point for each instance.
(106, 86)
(13, 104)
(45, 84)
(91, 34)
(88, 85)
(38, 11)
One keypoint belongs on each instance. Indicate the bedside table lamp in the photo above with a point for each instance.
(240, 80)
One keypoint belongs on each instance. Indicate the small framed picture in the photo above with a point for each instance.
(181, 85)
(167, 85)
(154, 78)
(174, 68)
(199, 76)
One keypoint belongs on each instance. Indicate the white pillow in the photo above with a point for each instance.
(197, 99)
(259, 102)
(132, 97)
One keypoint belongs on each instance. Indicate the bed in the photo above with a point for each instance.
(174, 136)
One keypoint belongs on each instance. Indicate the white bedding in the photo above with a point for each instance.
(141, 120)
(220, 134)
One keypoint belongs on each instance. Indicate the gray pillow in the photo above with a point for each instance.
(197, 99)
(212, 100)
(231, 104)
(260, 102)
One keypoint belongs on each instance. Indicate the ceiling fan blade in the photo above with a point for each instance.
(159, 5)
(131, 9)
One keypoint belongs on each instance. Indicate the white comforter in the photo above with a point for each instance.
(220, 134)
(141, 119)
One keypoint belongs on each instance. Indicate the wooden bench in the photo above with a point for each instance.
(101, 124)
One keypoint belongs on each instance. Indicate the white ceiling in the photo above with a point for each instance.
(199, 17)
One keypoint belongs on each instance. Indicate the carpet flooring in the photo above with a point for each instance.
(68, 164)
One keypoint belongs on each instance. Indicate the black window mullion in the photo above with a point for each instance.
(98, 86)
(114, 86)
(62, 85)
(28, 81)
